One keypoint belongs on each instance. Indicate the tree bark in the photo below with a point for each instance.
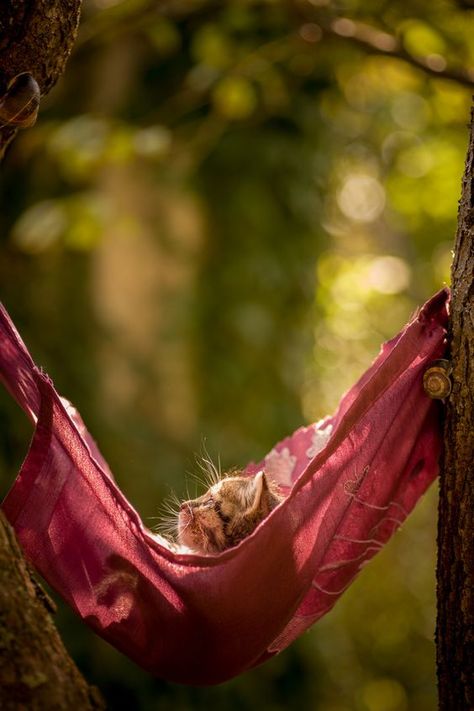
(36, 672)
(35, 37)
(455, 628)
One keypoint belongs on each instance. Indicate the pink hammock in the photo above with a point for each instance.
(203, 619)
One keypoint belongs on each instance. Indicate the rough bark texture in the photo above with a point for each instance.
(455, 630)
(36, 672)
(36, 36)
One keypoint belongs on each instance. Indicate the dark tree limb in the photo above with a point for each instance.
(376, 41)
(455, 625)
(36, 672)
(360, 34)
(35, 37)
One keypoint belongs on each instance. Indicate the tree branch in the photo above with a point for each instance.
(379, 42)
(367, 37)
(35, 37)
(36, 672)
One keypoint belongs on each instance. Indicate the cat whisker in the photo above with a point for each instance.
(210, 471)
(188, 495)
(167, 509)
(231, 509)
(201, 480)
(206, 465)
(168, 523)
(168, 517)
(171, 535)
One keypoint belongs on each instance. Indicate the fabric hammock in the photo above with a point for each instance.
(200, 619)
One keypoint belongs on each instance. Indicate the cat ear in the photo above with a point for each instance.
(260, 489)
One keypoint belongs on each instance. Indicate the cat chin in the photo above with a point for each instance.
(186, 550)
(184, 545)
(186, 535)
(194, 544)
(175, 547)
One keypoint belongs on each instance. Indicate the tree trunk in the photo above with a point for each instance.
(455, 629)
(36, 673)
(35, 37)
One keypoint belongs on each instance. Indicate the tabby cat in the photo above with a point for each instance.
(228, 512)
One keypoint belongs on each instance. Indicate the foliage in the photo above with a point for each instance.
(222, 212)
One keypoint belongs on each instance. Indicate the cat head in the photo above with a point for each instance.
(228, 512)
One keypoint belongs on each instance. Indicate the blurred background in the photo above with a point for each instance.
(221, 213)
